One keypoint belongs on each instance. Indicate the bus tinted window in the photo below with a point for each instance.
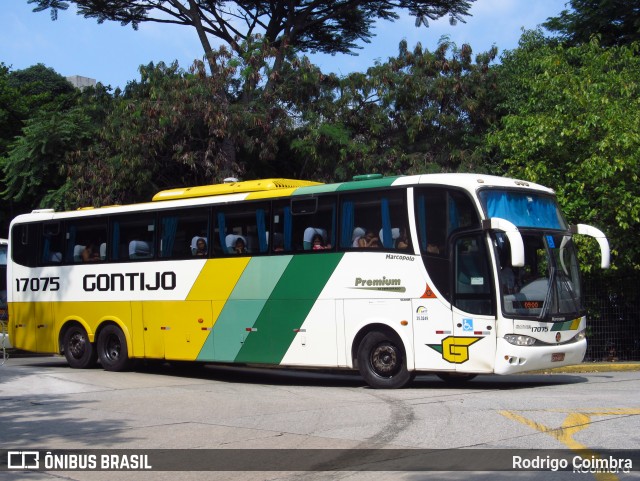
(374, 220)
(184, 234)
(313, 224)
(24, 244)
(52, 244)
(85, 240)
(439, 212)
(473, 291)
(132, 237)
(242, 229)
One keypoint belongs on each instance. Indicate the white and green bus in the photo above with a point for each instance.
(453, 274)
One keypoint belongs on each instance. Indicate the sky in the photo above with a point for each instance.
(112, 54)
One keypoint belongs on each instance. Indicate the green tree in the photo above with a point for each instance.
(288, 27)
(30, 100)
(12, 109)
(420, 111)
(33, 167)
(169, 130)
(615, 22)
(25, 92)
(572, 122)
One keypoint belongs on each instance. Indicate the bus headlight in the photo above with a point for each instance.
(519, 340)
(580, 336)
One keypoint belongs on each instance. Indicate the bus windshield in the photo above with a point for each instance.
(547, 287)
(523, 209)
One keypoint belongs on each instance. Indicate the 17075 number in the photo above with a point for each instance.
(36, 284)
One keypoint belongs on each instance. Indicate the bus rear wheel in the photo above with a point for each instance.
(78, 350)
(112, 349)
(382, 362)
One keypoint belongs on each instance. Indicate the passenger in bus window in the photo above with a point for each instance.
(402, 242)
(239, 247)
(369, 240)
(201, 247)
(317, 243)
(433, 249)
(90, 253)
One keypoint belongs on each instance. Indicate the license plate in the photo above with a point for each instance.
(557, 357)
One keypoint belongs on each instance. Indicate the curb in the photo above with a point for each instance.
(594, 367)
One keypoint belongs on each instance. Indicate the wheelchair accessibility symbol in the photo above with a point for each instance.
(467, 325)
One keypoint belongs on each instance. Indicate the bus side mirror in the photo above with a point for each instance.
(512, 233)
(599, 236)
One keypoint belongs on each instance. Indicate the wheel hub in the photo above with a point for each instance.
(77, 345)
(384, 360)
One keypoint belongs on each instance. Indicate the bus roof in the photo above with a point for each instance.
(280, 188)
(233, 187)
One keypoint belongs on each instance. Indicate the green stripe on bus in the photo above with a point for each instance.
(561, 326)
(367, 184)
(316, 189)
(245, 303)
(289, 305)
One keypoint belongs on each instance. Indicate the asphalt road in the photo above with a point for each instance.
(45, 405)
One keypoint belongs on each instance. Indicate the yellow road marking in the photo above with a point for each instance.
(572, 424)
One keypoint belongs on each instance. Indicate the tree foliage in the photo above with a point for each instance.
(305, 25)
(572, 122)
(33, 167)
(169, 129)
(286, 28)
(420, 111)
(35, 133)
(614, 22)
(24, 93)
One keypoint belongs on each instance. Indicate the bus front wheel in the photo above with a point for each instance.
(78, 350)
(112, 349)
(382, 362)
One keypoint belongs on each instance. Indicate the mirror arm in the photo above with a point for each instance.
(598, 235)
(512, 233)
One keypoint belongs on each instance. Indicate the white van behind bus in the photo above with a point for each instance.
(4, 336)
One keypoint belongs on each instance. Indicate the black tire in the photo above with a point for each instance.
(382, 362)
(79, 351)
(455, 378)
(112, 349)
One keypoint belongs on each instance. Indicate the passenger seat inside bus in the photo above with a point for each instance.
(395, 233)
(357, 233)
(139, 249)
(77, 253)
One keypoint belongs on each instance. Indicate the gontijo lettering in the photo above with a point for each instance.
(131, 281)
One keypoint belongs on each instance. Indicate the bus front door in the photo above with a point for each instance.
(473, 346)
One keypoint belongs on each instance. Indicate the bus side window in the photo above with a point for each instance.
(133, 237)
(374, 220)
(440, 211)
(180, 233)
(24, 244)
(83, 238)
(242, 229)
(52, 243)
(314, 220)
